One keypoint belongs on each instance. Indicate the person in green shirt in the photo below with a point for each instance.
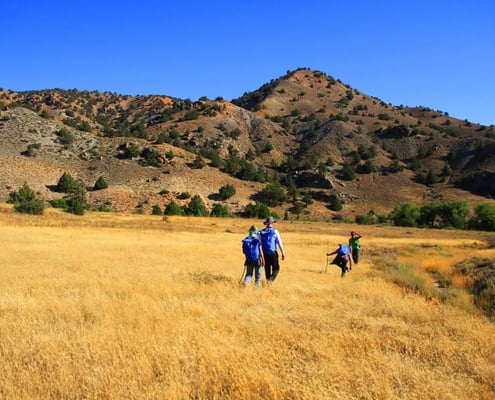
(355, 246)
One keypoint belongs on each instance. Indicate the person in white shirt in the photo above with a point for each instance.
(270, 242)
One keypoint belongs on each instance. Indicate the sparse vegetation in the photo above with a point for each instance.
(100, 183)
(329, 128)
(226, 191)
(25, 201)
(143, 302)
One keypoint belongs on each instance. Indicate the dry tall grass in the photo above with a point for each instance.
(109, 306)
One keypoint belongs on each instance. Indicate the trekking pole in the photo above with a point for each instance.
(326, 264)
(242, 276)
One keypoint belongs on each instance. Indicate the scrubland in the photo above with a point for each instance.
(114, 306)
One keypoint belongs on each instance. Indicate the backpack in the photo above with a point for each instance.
(268, 237)
(343, 250)
(251, 248)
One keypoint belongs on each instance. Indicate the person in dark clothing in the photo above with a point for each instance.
(342, 259)
(270, 241)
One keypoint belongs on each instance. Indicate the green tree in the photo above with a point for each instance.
(76, 198)
(25, 201)
(196, 207)
(66, 183)
(348, 172)
(484, 217)
(156, 210)
(257, 210)
(131, 150)
(219, 210)
(274, 194)
(335, 204)
(198, 162)
(227, 191)
(65, 136)
(100, 183)
(444, 215)
(406, 214)
(173, 208)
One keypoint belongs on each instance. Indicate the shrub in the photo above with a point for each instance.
(406, 214)
(198, 162)
(100, 183)
(184, 195)
(273, 194)
(256, 210)
(227, 191)
(65, 136)
(25, 201)
(151, 157)
(59, 203)
(156, 210)
(131, 150)
(348, 172)
(484, 217)
(220, 210)
(66, 183)
(335, 204)
(196, 207)
(76, 199)
(31, 150)
(105, 208)
(173, 208)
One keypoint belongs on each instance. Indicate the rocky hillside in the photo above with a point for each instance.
(322, 140)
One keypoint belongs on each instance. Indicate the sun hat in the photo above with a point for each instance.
(269, 221)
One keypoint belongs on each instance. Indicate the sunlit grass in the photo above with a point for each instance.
(110, 306)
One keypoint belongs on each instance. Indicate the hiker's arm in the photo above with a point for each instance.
(262, 256)
(278, 240)
(333, 252)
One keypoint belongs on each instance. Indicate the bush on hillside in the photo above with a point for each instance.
(100, 183)
(66, 183)
(76, 198)
(156, 210)
(227, 191)
(220, 211)
(173, 208)
(257, 210)
(196, 207)
(25, 201)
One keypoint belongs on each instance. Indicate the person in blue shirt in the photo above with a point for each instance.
(251, 247)
(270, 242)
(342, 258)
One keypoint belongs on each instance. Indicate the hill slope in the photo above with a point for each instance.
(305, 129)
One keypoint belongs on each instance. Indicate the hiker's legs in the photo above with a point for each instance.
(355, 256)
(249, 272)
(257, 275)
(269, 264)
(342, 263)
(275, 267)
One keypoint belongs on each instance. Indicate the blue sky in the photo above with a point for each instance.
(437, 54)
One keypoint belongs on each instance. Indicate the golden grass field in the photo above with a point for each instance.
(114, 306)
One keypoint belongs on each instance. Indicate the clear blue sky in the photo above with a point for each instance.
(438, 54)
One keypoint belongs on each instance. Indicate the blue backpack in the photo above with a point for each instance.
(268, 237)
(343, 250)
(251, 248)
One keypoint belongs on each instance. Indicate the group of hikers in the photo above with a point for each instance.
(260, 249)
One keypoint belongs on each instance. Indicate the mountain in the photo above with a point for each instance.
(325, 142)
